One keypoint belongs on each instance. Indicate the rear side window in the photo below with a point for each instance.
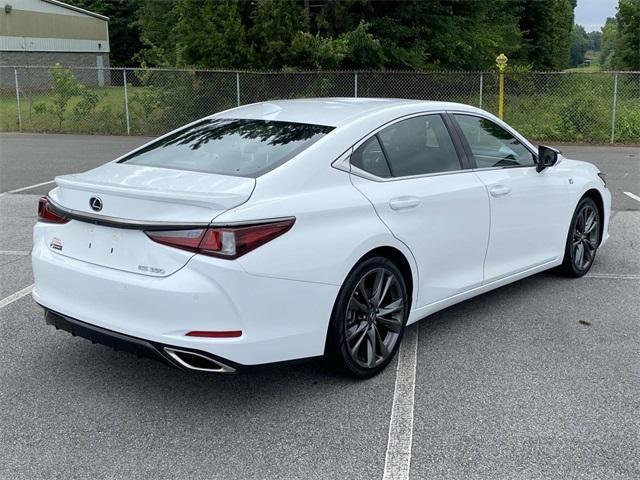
(370, 158)
(238, 147)
(416, 146)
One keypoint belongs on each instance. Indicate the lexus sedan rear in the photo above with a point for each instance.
(304, 228)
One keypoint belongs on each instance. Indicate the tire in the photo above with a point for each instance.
(583, 239)
(368, 319)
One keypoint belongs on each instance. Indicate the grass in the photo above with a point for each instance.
(108, 117)
(111, 104)
(592, 55)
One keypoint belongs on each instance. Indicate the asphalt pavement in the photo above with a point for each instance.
(538, 379)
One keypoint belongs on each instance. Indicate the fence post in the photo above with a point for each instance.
(15, 75)
(238, 87)
(355, 84)
(613, 113)
(126, 100)
(480, 106)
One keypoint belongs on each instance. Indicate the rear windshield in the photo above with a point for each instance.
(244, 148)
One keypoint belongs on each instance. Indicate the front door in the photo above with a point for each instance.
(528, 217)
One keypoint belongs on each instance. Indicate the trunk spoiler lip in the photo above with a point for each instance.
(148, 225)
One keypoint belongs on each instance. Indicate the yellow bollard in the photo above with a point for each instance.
(501, 63)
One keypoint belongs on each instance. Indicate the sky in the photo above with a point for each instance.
(591, 14)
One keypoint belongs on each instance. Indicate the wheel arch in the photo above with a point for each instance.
(399, 259)
(596, 196)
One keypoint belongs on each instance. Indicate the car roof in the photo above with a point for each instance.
(332, 111)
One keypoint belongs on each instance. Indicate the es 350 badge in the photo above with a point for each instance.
(56, 244)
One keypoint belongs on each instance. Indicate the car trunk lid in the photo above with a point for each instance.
(132, 199)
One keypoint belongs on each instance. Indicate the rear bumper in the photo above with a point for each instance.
(136, 346)
(280, 320)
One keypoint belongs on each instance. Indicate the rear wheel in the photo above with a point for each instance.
(583, 239)
(368, 319)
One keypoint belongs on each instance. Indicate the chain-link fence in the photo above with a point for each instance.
(590, 107)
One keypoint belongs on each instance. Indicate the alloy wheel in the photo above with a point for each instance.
(584, 239)
(374, 317)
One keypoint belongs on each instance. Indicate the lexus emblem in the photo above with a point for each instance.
(96, 203)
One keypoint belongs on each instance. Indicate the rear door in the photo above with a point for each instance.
(528, 217)
(413, 174)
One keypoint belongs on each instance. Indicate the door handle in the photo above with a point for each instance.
(404, 203)
(499, 191)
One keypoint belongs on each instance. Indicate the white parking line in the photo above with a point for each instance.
(614, 276)
(14, 252)
(16, 296)
(22, 189)
(397, 462)
(631, 195)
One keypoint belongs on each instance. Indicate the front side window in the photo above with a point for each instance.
(238, 147)
(491, 145)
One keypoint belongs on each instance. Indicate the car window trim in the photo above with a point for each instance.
(370, 176)
(455, 133)
(467, 147)
(385, 153)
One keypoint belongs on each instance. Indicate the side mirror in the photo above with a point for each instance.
(547, 157)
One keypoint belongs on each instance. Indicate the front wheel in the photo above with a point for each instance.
(583, 239)
(368, 318)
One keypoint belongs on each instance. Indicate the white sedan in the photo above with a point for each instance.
(301, 228)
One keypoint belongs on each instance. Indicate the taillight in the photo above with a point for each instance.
(46, 214)
(224, 242)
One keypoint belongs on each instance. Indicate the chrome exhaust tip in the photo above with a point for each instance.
(195, 361)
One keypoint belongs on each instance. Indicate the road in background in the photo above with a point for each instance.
(32, 158)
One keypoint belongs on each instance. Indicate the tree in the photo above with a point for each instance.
(210, 35)
(546, 29)
(627, 43)
(579, 45)
(275, 24)
(609, 34)
(157, 21)
(595, 40)
(361, 34)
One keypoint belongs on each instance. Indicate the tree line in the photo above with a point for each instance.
(359, 34)
(618, 42)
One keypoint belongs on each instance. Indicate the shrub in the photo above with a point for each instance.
(65, 87)
(628, 125)
(87, 104)
(584, 118)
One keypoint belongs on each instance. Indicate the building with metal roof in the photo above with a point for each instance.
(46, 32)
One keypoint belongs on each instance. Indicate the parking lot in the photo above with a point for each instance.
(539, 379)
